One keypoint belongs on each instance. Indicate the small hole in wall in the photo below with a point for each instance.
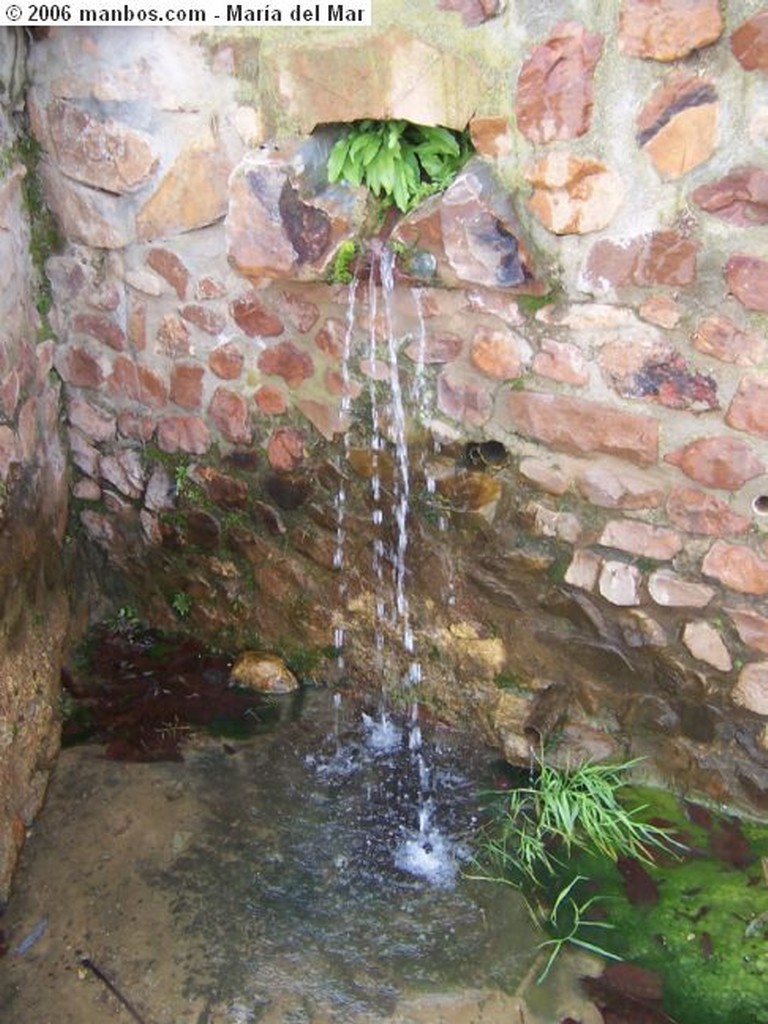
(485, 454)
(760, 505)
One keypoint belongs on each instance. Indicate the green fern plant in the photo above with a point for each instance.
(400, 162)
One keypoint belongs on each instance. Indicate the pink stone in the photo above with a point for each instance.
(324, 417)
(666, 30)
(751, 626)
(723, 462)
(209, 288)
(187, 385)
(77, 366)
(473, 12)
(580, 426)
(751, 690)
(720, 337)
(435, 348)
(737, 567)
(490, 136)
(254, 318)
(330, 338)
(671, 591)
(747, 279)
(741, 197)
(620, 584)
(660, 310)
(229, 412)
(102, 328)
(662, 257)
(97, 424)
(561, 361)
(555, 85)
(499, 353)
(84, 455)
(226, 361)
(573, 195)
(584, 569)
(462, 397)
(286, 449)
(183, 434)
(615, 486)
(171, 268)
(137, 426)
(270, 401)
(698, 512)
(749, 408)
(10, 390)
(137, 383)
(208, 320)
(640, 539)
(288, 361)
(706, 644)
(300, 313)
(749, 42)
(124, 470)
(677, 127)
(159, 494)
(137, 325)
(548, 476)
(87, 490)
(173, 337)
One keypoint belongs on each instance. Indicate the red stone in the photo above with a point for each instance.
(206, 319)
(561, 361)
(720, 337)
(102, 328)
(723, 462)
(325, 417)
(749, 43)
(91, 420)
(609, 486)
(286, 449)
(229, 412)
(554, 89)
(677, 127)
(137, 325)
(698, 512)
(187, 385)
(580, 426)
(137, 383)
(288, 361)
(751, 627)
(499, 353)
(741, 197)
(737, 567)
(749, 408)
(330, 338)
(226, 361)
(255, 319)
(300, 313)
(183, 434)
(747, 279)
(137, 426)
(270, 401)
(463, 397)
(662, 257)
(170, 267)
(435, 348)
(666, 30)
(77, 366)
(209, 288)
(173, 336)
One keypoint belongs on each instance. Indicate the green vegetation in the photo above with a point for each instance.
(400, 162)
(181, 603)
(45, 238)
(341, 268)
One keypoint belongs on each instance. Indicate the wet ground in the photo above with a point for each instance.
(308, 873)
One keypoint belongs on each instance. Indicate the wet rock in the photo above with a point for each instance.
(228, 411)
(659, 258)
(720, 337)
(555, 85)
(748, 410)
(159, 495)
(548, 476)
(706, 644)
(325, 417)
(226, 361)
(270, 401)
(290, 491)
(307, 227)
(286, 449)
(677, 128)
(187, 385)
(221, 488)
(666, 30)
(183, 434)
(698, 512)
(463, 397)
(639, 888)
(737, 567)
(288, 361)
(254, 318)
(747, 279)
(471, 492)
(749, 43)
(435, 348)
(171, 268)
(86, 215)
(751, 690)
(573, 195)
(672, 591)
(499, 353)
(723, 462)
(751, 626)
(741, 197)
(620, 583)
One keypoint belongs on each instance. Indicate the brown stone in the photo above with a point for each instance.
(208, 320)
(191, 194)
(720, 337)
(640, 539)
(137, 383)
(300, 313)
(266, 673)
(661, 257)
(270, 401)
(106, 154)
(330, 339)
(751, 626)
(751, 690)
(671, 591)
(723, 462)
(221, 488)
(561, 361)
(749, 42)
(229, 412)
(741, 197)
(546, 474)
(463, 397)
(677, 128)
(490, 136)
(254, 318)
(173, 337)
(584, 569)
(573, 195)
(102, 328)
(580, 426)
(747, 279)
(666, 30)
(79, 367)
(286, 449)
(187, 385)
(288, 361)
(698, 512)
(137, 325)
(499, 353)
(554, 88)
(737, 567)
(226, 361)
(183, 434)
(611, 486)
(748, 410)
(209, 288)
(171, 268)
(660, 310)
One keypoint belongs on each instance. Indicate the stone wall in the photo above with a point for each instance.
(580, 322)
(33, 497)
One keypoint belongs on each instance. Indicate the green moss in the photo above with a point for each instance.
(341, 267)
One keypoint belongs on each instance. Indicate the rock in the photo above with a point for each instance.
(226, 360)
(473, 12)
(610, 486)
(183, 434)
(573, 195)
(698, 512)
(463, 397)
(561, 361)
(208, 320)
(171, 268)
(229, 412)
(499, 353)
(720, 337)
(723, 462)
(737, 567)
(659, 258)
(751, 626)
(187, 385)
(748, 410)
(137, 383)
(286, 449)
(661, 310)
(671, 591)
(749, 42)
(641, 539)
(266, 673)
(741, 197)
(584, 570)
(620, 583)
(288, 361)
(551, 477)
(254, 318)
(85, 215)
(667, 30)
(435, 348)
(751, 690)
(705, 643)
(96, 423)
(490, 136)
(747, 279)
(324, 416)
(173, 337)
(270, 400)
(555, 85)
(677, 128)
